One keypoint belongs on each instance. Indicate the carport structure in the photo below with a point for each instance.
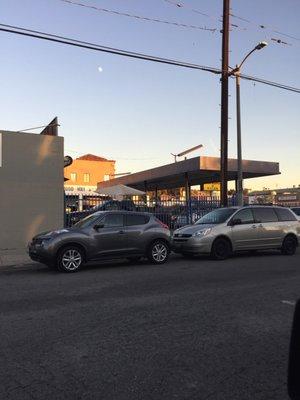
(191, 172)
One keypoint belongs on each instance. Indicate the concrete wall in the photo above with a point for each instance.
(31, 188)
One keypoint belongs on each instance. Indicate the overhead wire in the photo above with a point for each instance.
(80, 153)
(139, 17)
(96, 47)
(267, 28)
(92, 46)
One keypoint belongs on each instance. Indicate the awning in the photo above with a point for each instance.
(195, 171)
(120, 190)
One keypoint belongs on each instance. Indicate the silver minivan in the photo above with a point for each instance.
(227, 230)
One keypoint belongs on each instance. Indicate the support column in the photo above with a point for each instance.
(187, 198)
(145, 190)
(156, 195)
(80, 202)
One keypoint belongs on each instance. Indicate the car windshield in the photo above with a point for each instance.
(89, 220)
(217, 216)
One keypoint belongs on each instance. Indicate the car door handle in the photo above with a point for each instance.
(254, 226)
(121, 232)
(260, 225)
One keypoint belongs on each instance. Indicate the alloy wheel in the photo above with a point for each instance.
(71, 260)
(159, 252)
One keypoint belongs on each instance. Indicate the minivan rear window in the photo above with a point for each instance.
(264, 215)
(285, 214)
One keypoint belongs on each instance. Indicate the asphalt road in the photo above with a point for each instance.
(191, 329)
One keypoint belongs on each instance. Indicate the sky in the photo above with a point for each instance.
(139, 112)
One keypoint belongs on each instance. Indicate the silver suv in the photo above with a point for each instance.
(103, 235)
(227, 230)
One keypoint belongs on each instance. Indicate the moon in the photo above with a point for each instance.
(100, 69)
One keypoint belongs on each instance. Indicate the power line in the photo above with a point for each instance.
(80, 153)
(266, 27)
(139, 17)
(37, 127)
(96, 47)
(254, 24)
(196, 11)
(181, 5)
(270, 83)
(101, 48)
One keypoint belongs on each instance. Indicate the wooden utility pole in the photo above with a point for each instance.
(224, 103)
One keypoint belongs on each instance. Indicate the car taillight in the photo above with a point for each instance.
(162, 224)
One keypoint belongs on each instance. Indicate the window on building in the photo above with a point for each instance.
(73, 176)
(86, 178)
(106, 177)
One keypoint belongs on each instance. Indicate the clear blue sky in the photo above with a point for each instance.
(138, 112)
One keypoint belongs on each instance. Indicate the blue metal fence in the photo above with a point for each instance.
(174, 213)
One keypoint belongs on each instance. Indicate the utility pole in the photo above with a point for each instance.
(237, 72)
(240, 196)
(224, 103)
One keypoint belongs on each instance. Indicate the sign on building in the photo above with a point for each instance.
(214, 186)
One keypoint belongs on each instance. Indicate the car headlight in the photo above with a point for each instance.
(45, 241)
(202, 232)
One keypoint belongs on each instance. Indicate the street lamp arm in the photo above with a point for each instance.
(238, 67)
(245, 58)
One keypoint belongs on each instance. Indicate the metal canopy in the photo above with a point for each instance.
(120, 190)
(196, 171)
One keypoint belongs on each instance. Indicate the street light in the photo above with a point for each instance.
(185, 152)
(236, 72)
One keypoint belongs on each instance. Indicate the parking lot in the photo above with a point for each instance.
(190, 329)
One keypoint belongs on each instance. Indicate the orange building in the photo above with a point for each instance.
(86, 171)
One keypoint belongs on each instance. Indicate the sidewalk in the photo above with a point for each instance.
(9, 258)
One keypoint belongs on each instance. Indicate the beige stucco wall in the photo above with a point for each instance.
(31, 188)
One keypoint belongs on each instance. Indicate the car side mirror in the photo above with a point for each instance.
(98, 226)
(294, 357)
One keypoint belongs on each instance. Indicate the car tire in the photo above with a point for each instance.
(289, 246)
(158, 252)
(70, 259)
(221, 249)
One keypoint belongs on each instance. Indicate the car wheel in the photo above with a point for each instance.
(70, 259)
(289, 246)
(221, 249)
(158, 252)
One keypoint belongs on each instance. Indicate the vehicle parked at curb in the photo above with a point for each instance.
(158, 211)
(103, 235)
(224, 231)
(296, 210)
